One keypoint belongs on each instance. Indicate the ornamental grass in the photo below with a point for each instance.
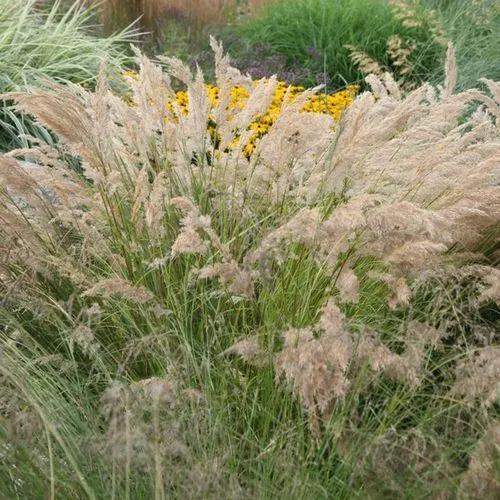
(332, 104)
(54, 43)
(315, 318)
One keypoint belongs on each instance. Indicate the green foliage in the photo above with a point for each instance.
(312, 35)
(474, 29)
(55, 44)
(244, 437)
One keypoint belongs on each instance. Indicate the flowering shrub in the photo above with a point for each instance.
(351, 269)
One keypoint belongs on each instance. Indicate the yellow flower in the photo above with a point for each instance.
(332, 104)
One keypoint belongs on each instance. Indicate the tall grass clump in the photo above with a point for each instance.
(344, 40)
(317, 320)
(474, 29)
(37, 44)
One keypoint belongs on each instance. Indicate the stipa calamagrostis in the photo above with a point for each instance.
(217, 294)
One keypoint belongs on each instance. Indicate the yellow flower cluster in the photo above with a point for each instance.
(332, 104)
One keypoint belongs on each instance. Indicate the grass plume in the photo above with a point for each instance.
(182, 319)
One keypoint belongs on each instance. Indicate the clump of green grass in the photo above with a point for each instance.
(474, 29)
(178, 320)
(36, 44)
(313, 34)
